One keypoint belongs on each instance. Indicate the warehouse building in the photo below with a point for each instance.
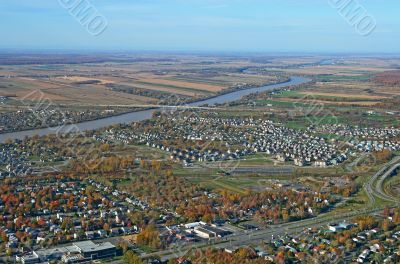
(77, 252)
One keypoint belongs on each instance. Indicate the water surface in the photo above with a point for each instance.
(146, 114)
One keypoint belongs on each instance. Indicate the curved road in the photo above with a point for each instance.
(379, 185)
(373, 187)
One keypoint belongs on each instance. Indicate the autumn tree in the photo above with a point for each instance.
(149, 237)
(130, 258)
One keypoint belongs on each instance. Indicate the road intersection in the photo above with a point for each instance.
(373, 188)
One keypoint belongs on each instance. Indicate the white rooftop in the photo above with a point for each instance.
(88, 246)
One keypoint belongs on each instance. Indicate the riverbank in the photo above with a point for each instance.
(144, 114)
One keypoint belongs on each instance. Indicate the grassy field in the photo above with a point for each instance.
(57, 92)
(188, 85)
(86, 83)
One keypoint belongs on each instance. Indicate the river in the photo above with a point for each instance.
(146, 114)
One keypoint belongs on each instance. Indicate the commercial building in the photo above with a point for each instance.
(206, 231)
(79, 251)
(90, 250)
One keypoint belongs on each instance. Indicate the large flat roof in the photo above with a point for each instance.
(215, 230)
(30, 257)
(89, 246)
(58, 250)
(77, 247)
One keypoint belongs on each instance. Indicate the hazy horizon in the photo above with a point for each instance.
(253, 26)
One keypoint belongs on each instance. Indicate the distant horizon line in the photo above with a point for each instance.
(188, 52)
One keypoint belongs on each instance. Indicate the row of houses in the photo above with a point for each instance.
(14, 162)
(74, 218)
(212, 138)
(21, 158)
(215, 139)
(381, 133)
(319, 243)
(46, 117)
(375, 145)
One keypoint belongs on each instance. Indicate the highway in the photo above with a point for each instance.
(373, 187)
(255, 237)
(379, 185)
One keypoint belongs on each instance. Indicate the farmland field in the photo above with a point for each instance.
(345, 86)
(127, 80)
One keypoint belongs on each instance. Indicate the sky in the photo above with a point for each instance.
(313, 26)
